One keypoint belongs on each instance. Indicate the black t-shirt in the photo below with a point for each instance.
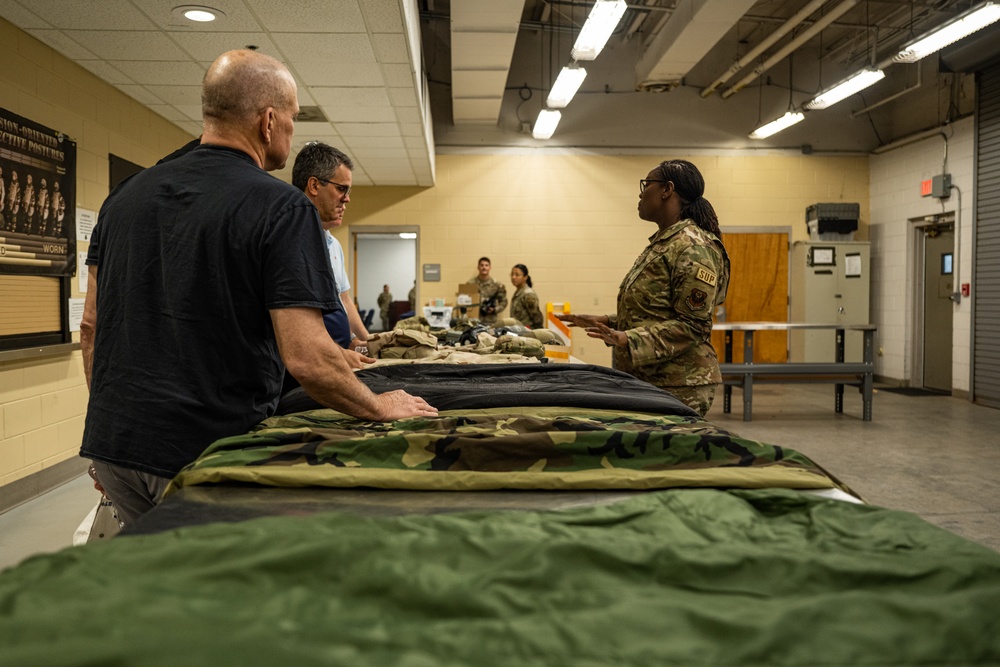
(191, 255)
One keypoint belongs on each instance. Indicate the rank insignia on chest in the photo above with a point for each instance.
(706, 276)
(696, 300)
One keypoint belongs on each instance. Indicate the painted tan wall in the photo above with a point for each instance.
(572, 219)
(43, 401)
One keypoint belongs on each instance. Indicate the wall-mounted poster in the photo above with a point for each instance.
(37, 199)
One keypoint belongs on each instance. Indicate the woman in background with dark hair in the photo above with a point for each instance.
(524, 304)
(661, 332)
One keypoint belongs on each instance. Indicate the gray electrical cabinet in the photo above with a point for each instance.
(830, 284)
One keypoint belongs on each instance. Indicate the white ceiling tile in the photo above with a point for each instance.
(403, 97)
(360, 114)
(21, 16)
(344, 74)
(63, 44)
(206, 47)
(309, 15)
(399, 76)
(376, 142)
(368, 129)
(383, 15)
(105, 71)
(305, 97)
(409, 115)
(178, 95)
(390, 48)
(478, 83)
(363, 97)
(378, 153)
(487, 15)
(236, 17)
(332, 50)
(168, 112)
(161, 73)
(195, 128)
(190, 111)
(415, 143)
(140, 94)
(411, 129)
(315, 130)
(103, 15)
(112, 45)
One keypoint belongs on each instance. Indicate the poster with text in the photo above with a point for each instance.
(37, 198)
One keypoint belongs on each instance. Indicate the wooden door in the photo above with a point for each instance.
(758, 292)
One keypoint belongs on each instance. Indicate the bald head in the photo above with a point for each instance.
(240, 84)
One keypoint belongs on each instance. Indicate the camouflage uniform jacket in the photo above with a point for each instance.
(525, 309)
(490, 289)
(665, 306)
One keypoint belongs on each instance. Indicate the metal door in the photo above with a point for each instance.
(939, 244)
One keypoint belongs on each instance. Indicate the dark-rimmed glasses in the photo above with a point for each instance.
(344, 190)
(644, 182)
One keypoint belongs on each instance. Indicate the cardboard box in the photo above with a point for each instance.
(471, 292)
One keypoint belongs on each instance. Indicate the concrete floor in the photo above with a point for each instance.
(936, 456)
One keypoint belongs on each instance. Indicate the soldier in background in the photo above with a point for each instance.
(384, 299)
(412, 296)
(492, 295)
(661, 331)
(524, 304)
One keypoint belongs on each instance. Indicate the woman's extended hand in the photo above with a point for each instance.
(607, 334)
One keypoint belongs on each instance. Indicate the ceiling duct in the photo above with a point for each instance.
(694, 27)
(483, 33)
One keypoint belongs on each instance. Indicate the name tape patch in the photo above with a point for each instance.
(706, 276)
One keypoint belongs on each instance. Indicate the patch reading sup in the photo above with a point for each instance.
(706, 276)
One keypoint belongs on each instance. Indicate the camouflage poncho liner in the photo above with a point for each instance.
(502, 448)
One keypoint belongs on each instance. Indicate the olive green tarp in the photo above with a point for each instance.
(501, 448)
(679, 577)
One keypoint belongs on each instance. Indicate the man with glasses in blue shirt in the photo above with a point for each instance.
(323, 173)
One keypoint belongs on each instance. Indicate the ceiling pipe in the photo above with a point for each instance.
(764, 45)
(806, 35)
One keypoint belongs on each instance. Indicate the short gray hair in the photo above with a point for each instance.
(242, 83)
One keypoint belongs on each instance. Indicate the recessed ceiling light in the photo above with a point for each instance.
(197, 13)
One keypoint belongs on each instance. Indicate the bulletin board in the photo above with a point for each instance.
(37, 231)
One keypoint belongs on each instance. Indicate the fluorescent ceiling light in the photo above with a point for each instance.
(845, 88)
(601, 22)
(565, 87)
(545, 124)
(197, 13)
(777, 125)
(407, 235)
(962, 26)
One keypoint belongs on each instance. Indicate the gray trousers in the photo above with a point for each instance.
(134, 493)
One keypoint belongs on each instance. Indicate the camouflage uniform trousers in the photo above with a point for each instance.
(699, 398)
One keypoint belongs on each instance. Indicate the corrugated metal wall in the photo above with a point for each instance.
(986, 281)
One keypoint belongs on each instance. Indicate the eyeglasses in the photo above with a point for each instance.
(344, 190)
(644, 183)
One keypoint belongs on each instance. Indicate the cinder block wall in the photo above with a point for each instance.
(43, 401)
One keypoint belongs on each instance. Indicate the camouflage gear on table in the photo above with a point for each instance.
(665, 306)
(490, 292)
(529, 347)
(451, 355)
(503, 448)
(525, 309)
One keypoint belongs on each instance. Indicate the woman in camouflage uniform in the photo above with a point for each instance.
(661, 331)
(524, 304)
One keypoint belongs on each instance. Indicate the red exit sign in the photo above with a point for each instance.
(926, 187)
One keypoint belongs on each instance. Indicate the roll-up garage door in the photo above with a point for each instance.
(986, 281)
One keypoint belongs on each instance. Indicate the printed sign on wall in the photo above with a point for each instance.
(37, 198)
